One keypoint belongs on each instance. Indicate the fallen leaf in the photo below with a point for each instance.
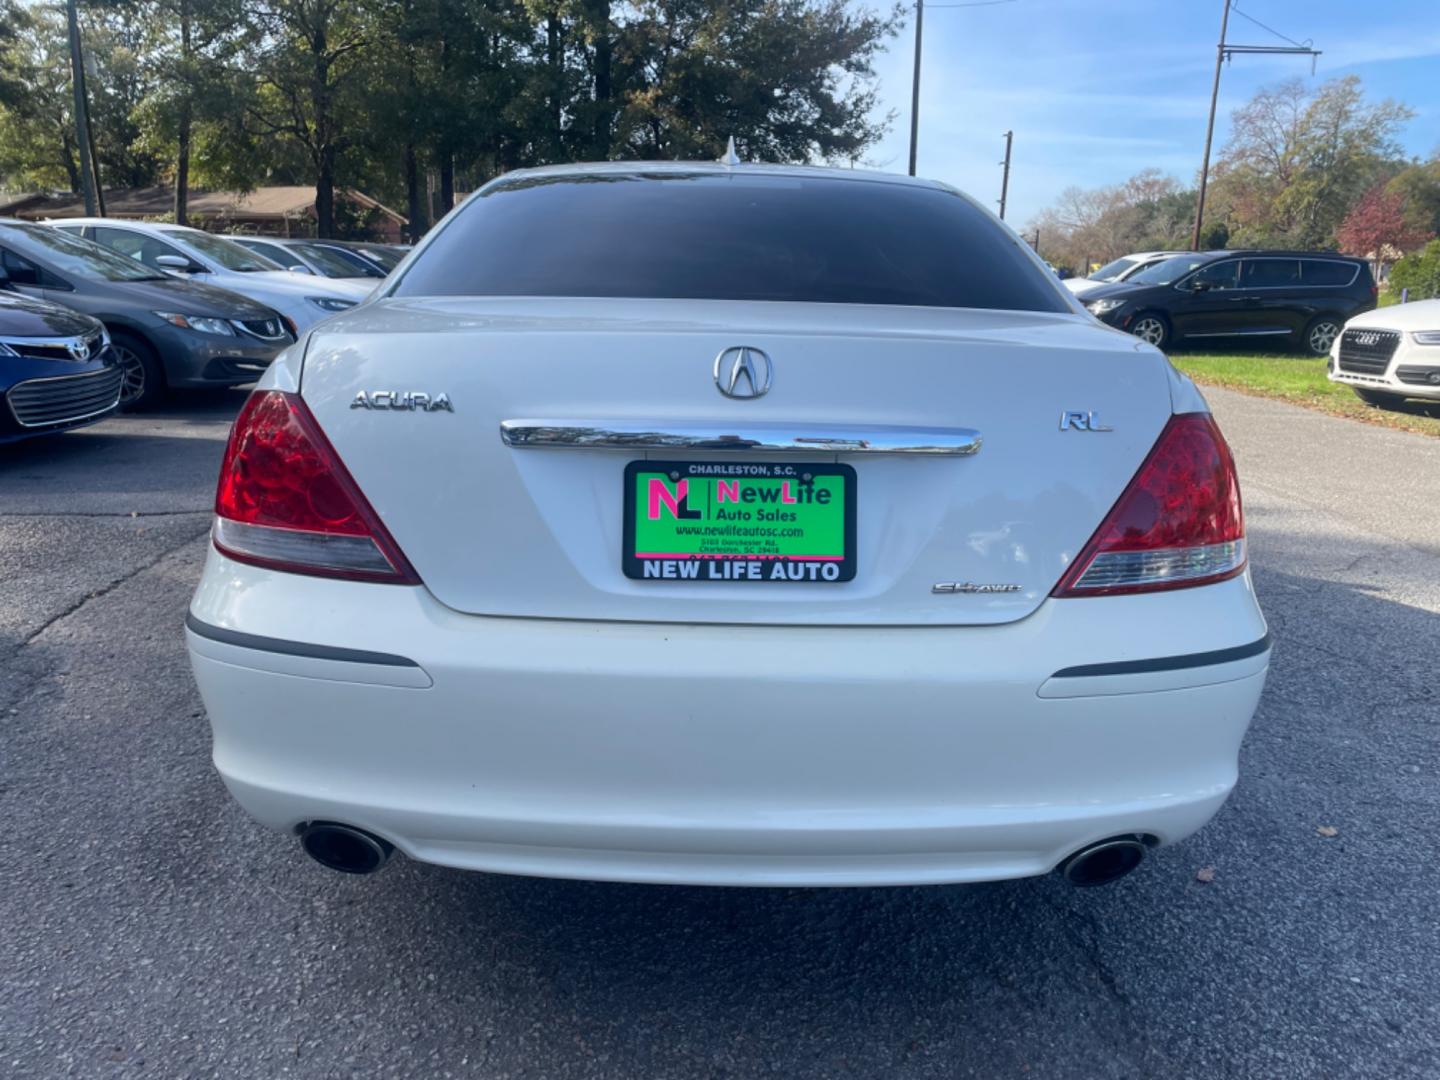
(1328, 830)
(1205, 874)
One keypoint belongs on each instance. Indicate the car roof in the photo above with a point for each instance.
(125, 223)
(714, 168)
(1277, 253)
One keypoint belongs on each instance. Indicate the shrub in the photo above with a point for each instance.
(1419, 272)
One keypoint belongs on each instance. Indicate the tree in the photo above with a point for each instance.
(1296, 162)
(1419, 186)
(14, 21)
(305, 55)
(189, 45)
(1377, 227)
(1150, 211)
(790, 80)
(37, 135)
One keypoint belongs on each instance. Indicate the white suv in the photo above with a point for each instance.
(1390, 354)
(302, 298)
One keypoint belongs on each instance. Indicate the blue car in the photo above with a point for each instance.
(57, 369)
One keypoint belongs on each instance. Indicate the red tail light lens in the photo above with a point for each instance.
(1178, 524)
(286, 501)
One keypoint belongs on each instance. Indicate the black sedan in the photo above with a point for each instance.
(167, 332)
(57, 370)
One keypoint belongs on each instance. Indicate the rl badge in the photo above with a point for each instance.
(739, 521)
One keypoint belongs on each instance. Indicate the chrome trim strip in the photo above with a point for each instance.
(85, 341)
(1241, 333)
(767, 438)
(293, 648)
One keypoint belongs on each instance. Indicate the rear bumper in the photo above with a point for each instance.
(720, 754)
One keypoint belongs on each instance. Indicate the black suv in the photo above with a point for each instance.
(1295, 298)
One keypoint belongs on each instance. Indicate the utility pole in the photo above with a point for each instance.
(82, 116)
(1224, 52)
(915, 85)
(1005, 176)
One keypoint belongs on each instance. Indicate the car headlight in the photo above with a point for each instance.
(330, 303)
(1426, 337)
(1100, 307)
(203, 323)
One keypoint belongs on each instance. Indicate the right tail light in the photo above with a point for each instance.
(1178, 523)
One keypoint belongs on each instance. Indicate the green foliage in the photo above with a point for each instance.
(14, 22)
(1149, 212)
(1419, 272)
(1419, 186)
(1296, 162)
(375, 93)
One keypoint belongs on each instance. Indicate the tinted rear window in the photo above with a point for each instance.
(1270, 273)
(729, 237)
(1327, 272)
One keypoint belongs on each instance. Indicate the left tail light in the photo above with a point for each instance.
(287, 502)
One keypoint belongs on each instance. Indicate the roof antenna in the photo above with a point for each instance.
(729, 157)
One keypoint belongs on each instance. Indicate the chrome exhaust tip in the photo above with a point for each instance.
(343, 848)
(1104, 862)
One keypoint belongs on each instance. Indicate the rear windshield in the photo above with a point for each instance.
(1163, 273)
(1112, 271)
(729, 236)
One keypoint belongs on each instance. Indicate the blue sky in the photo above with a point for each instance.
(1096, 91)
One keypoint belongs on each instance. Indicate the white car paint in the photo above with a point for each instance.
(550, 716)
(1140, 260)
(1416, 327)
(293, 295)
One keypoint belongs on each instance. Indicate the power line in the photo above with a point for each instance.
(1269, 29)
(1225, 51)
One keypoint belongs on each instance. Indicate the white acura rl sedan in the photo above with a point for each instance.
(727, 524)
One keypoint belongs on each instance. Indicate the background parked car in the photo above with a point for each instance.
(57, 370)
(166, 331)
(1122, 268)
(1290, 298)
(1390, 354)
(309, 257)
(302, 298)
(384, 257)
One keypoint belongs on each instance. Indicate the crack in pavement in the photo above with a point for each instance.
(107, 589)
(1088, 945)
(20, 685)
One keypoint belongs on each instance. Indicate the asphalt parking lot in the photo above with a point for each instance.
(150, 929)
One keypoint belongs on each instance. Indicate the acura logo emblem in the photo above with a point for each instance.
(743, 372)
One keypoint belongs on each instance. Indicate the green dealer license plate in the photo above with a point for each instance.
(739, 521)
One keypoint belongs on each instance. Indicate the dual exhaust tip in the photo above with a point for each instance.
(355, 851)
